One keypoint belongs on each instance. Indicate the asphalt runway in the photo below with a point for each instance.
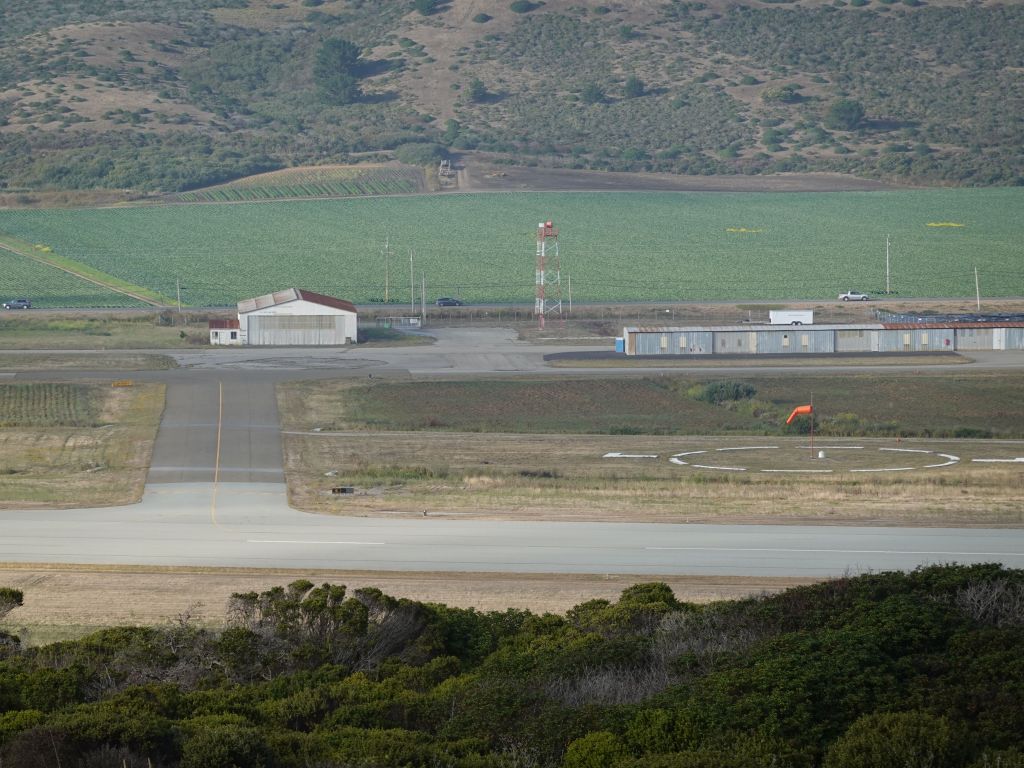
(250, 525)
(215, 493)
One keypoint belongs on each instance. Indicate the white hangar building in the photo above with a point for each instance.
(293, 317)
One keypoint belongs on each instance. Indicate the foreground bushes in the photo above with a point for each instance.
(889, 669)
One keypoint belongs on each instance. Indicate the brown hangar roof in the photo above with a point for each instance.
(224, 325)
(929, 326)
(293, 294)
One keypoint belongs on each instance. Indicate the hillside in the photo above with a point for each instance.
(171, 95)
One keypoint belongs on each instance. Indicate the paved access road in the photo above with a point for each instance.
(215, 493)
(250, 525)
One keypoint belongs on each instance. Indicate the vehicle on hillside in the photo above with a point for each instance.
(448, 301)
(854, 296)
(18, 304)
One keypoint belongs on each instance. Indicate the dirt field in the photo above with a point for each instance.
(63, 602)
(478, 173)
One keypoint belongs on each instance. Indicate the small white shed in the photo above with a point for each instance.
(296, 317)
(225, 332)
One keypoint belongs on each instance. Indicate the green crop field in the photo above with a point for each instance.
(327, 181)
(48, 405)
(49, 287)
(614, 246)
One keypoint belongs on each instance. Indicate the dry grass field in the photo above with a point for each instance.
(481, 449)
(63, 602)
(103, 361)
(544, 477)
(74, 445)
(92, 330)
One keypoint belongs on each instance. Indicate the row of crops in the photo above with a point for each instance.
(48, 405)
(312, 183)
(613, 246)
(45, 286)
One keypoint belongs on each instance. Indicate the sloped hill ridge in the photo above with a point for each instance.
(156, 95)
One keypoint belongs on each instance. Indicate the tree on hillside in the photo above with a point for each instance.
(845, 115)
(634, 87)
(477, 90)
(592, 94)
(425, 7)
(336, 71)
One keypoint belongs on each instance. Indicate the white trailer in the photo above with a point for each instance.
(791, 317)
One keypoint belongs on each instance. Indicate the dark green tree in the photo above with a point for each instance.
(477, 90)
(592, 94)
(634, 87)
(845, 115)
(336, 71)
(425, 7)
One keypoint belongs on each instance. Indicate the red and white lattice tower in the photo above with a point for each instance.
(549, 274)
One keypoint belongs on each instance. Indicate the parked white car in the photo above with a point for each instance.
(853, 296)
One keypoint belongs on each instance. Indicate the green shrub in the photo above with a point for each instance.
(722, 391)
(906, 739)
(523, 6)
(595, 750)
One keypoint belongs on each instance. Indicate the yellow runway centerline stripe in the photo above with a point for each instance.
(216, 458)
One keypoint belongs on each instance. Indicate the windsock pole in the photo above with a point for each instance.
(812, 425)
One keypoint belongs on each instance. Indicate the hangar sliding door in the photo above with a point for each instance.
(296, 330)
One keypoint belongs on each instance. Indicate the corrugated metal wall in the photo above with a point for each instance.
(916, 340)
(860, 340)
(735, 342)
(795, 341)
(807, 340)
(1014, 338)
(669, 343)
(974, 338)
(296, 330)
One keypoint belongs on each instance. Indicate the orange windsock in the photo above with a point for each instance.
(800, 410)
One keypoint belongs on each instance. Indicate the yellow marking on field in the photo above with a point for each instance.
(944, 224)
(122, 383)
(742, 229)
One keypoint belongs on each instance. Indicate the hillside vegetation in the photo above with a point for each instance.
(155, 95)
(920, 669)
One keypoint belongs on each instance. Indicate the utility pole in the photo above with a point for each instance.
(387, 270)
(887, 265)
(423, 299)
(177, 285)
(568, 279)
(412, 286)
(977, 289)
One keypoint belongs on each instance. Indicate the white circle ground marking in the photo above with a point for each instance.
(678, 459)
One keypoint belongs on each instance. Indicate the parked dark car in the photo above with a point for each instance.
(447, 301)
(18, 304)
